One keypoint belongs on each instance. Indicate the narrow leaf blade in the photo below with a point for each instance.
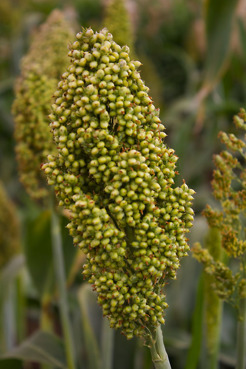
(42, 347)
(87, 299)
(219, 20)
(195, 348)
(38, 251)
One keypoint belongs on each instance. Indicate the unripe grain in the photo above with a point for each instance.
(127, 188)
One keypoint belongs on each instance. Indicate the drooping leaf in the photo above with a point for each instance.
(8, 322)
(70, 252)
(242, 34)
(39, 253)
(89, 311)
(219, 16)
(195, 348)
(42, 347)
(9, 272)
(107, 344)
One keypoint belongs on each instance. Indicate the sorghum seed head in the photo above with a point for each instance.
(41, 68)
(126, 214)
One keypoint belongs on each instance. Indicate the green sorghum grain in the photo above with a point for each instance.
(115, 175)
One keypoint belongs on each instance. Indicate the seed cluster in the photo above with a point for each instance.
(40, 72)
(229, 187)
(115, 175)
(9, 228)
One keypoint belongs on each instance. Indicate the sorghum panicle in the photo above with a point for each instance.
(229, 187)
(40, 71)
(115, 175)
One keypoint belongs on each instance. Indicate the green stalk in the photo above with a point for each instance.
(107, 345)
(197, 332)
(212, 304)
(61, 284)
(20, 308)
(9, 322)
(46, 322)
(213, 315)
(241, 335)
(158, 351)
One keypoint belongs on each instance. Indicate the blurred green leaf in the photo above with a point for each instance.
(7, 320)
(10, 364)
(38, 250)
(70, 252)
(39, 254)
(9, 272)
(125, 352)
(87, 303)
(197, 328)
(218, 18)
(242, 34)
(107, 344)
(42, 347)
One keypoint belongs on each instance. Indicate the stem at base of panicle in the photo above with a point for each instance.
(158, 351)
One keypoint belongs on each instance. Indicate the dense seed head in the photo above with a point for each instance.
(41, 68)
(9, 228)
(115, 175)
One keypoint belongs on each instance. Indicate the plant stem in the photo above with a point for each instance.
(197, 331)
(107, 345)
(20, 308)
(61, 284)
(158, 351)
(241, 335)
(9, 321)
(212, 304)
(213, 325)
(46, 322)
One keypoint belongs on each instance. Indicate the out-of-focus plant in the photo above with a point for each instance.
(206, 344)
(214, 90)
(155, 32)
(10, 229)
(217, 14)
(9, 249)
(212, 303)
(90, 12)
(41, 69)
(117, 21)
(115, 175)
(229, 188)
(8, 17)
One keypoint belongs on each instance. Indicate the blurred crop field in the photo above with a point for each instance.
(193, 55)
